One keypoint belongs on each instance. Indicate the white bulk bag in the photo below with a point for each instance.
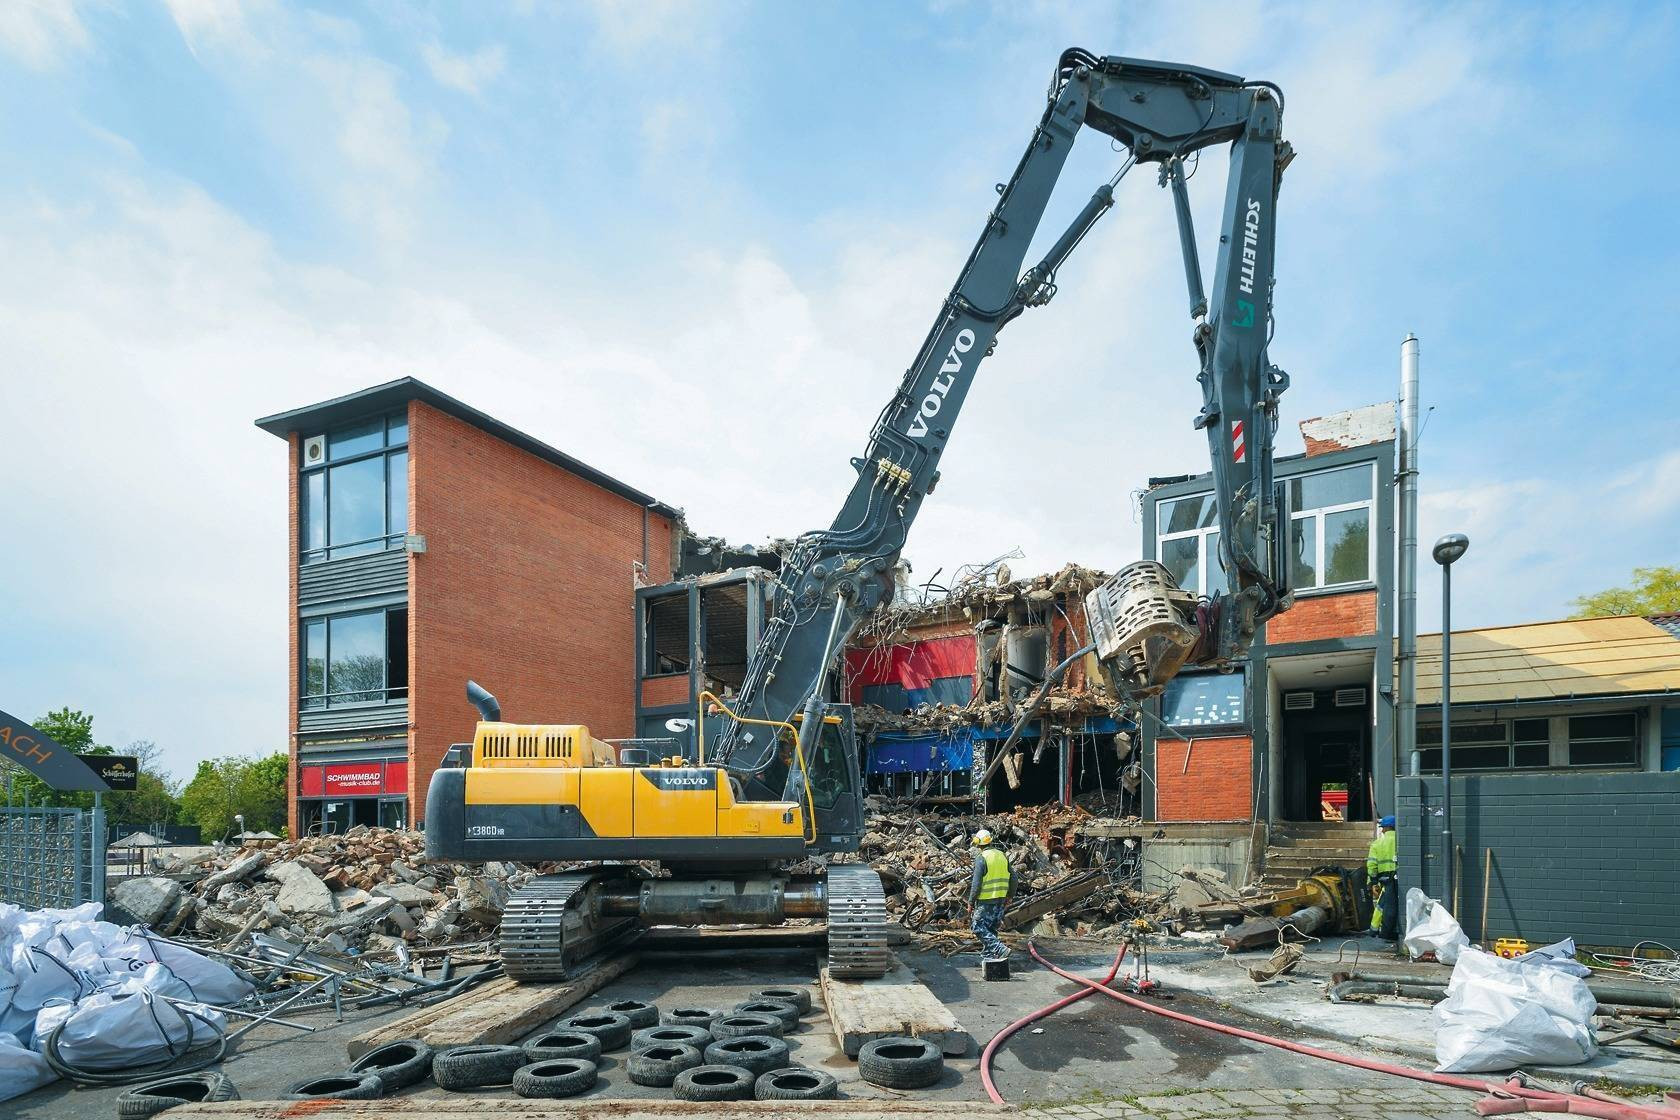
(1431, 929)
(21, 1069)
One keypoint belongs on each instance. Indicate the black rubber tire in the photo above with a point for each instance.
(713, 1083)
(556, 1046)
(397, 1064)
(658, 1066)
(782, 1009)
(155, 1096)
(474, 1067)
(562, 1077)
(897, 1062)
(689, 1017)
(796, 1083)
(610, 1027)
(759, 1053)
(670, 1035)
(336, 1087)
(799, 997)
(740, 1025)
(640, 1014)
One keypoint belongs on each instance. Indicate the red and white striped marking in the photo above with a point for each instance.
(1239, 448)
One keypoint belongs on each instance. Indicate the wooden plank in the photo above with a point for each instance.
(894, 1004)
(499, 1011)
(465, 1106)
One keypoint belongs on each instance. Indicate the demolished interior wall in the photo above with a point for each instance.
(997, 638)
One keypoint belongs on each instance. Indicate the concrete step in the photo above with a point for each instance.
(1308, 851)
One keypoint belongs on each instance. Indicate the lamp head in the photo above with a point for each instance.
(1450, 547)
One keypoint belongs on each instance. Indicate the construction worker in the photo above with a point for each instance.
(1381, 863)
(988, 892)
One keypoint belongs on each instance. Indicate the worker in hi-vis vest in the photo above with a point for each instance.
(1381, 864)
(988, 892)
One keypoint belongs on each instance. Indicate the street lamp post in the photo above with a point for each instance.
(1447, 551)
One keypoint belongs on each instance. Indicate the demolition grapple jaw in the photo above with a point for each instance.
(1146, 628)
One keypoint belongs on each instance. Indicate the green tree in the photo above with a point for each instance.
(1654, 591)
(262, 790)
(223, 788)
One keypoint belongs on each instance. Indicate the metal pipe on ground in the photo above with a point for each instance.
(1605, 991)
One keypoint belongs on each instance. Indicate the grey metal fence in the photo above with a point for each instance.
(51, 857)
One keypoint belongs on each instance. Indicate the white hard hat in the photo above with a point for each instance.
(981, 838)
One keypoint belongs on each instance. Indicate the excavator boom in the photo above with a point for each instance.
(1144, 627)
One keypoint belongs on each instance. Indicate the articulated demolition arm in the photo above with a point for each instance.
(1144, 628)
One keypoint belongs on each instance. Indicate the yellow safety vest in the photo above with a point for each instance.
(1382, 859)
(994, 881)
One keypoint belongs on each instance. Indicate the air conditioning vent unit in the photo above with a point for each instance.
(1298, 701)
(1350, 698)
(314, 451)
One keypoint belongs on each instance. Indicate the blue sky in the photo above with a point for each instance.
(696, 244)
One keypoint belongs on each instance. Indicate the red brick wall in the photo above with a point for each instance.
(526, 586)
(657, 691)
(293, 658)
(1350, 615)
(1216, 786)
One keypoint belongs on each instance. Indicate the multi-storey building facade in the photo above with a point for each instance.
(430, 543)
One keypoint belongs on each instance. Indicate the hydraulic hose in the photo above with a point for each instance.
(999, 1038)
(1539, 1100)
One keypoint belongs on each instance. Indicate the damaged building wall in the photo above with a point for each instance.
(937, 682)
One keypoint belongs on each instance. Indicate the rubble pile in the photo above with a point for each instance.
(926, 864)
(367, 887)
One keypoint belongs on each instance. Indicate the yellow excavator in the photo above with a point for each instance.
(740, 825)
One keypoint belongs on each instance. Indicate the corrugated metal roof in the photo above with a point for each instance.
(1552, 660)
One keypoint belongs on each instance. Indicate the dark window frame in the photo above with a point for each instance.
(325, 700)
(1429, 740)
(388, 451)
(1198, 730)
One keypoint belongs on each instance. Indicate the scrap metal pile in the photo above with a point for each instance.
(926, 865)
(368, 889)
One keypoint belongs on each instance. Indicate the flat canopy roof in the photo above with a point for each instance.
(393, 394)
(1574, 658)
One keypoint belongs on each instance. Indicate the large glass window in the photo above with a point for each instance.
(1188, 541)
(665, 637)
(1330, 527)
(357, 658)
(357, 501)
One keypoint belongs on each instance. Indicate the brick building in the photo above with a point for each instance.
(430, 543)
(1308, 721)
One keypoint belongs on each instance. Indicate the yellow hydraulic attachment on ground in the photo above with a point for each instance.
(1332, 900)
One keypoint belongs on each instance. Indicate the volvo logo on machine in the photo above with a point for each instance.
(935, 398)
(681, 779)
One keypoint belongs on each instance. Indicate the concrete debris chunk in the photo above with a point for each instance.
(239, 870)
(301, 891)
(405, 894)
(148, 901)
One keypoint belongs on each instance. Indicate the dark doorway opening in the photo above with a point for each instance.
(1326, 771)
(1040, 782)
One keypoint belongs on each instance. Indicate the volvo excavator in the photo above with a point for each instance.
(773, 786)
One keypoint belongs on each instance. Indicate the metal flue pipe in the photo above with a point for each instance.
(1407, 478)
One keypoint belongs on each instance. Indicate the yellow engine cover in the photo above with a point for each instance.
(524, 745)
(620, 802)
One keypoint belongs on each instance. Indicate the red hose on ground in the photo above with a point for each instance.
(1554, 1101)
(998, 1038)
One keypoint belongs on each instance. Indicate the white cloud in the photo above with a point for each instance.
(468, 73)
(39, 33)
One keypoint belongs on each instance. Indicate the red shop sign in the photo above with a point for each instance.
(355, 778)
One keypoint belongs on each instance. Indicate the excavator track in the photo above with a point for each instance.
(857, 923)
(553, 925)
